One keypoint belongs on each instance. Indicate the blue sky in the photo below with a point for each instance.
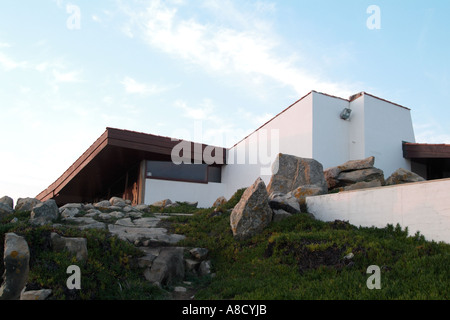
(69, 69)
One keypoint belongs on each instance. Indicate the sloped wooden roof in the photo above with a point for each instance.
(425, 150)
(106, 160)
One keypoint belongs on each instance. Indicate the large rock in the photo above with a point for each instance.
(287, 202)
(204, 268)
(119, 202)
(69, 212)
(331, 174)
(16, 259)
(7, 201)
(199, 253)
(219, 202)
(252, 213)
(26, 204)
(44, 213)
(5, 210)
(280, 214)
(302, 192)
(291, 172)
(102, 204)
(85, 223)
(363, 185)
(351, 177)
(162, 203)
(35, 294)
(143, 234)
(168, 266)
(401, 176)
(75, 246)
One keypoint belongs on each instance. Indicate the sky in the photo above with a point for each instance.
(69, 69)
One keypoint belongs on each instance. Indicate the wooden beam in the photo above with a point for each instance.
(423, 150)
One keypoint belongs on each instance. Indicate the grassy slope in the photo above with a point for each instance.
(297, 258)
(110, 273)
(302, 258)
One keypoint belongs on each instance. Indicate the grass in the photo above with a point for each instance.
(297, 258)
(110, 273)
(303, 258)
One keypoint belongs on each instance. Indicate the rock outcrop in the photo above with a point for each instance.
(167, 267)
(163, 262)
(401, 176)
(252, 213)
(332, 174)
(26, 204)
(75, 246)
(35, 294)
(8, 201)
(302, 192)
(16, 259)
(354, 174)
(5, 210)
(44, 213)
(291, 172)
(286, 202)
(219, 202)
(162, 203)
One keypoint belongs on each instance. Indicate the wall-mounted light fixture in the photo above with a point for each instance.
(345, 114)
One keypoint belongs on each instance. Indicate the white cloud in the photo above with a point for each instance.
(72, 76)
(59, 3)
(134, 87)
(248, 48)
(10, 64)
(4, 45)
(96, 18)
(431, 133)
(41, 67)
(205, 111)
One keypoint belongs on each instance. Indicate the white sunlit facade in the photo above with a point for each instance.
(332, 130)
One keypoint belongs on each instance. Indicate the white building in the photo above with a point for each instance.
(312, 127)
(139, 166)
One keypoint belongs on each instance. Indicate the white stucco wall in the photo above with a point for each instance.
(386, 125)
(420, 206)
(294, 128)
(356, 130)
(330, 132)
(205, 194)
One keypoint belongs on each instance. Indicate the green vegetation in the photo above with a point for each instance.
(111, 271)
(303, 258)
(297, 258)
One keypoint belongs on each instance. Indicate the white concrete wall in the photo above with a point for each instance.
(294, 127)
(356, 130)
(330, 132)
(420, 206)
(205, 194)
(386, 125)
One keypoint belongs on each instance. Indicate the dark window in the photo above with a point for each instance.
(214, 174)
(183, 172)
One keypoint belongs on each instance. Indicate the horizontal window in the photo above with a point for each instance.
(167, 170)
(184, 172)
